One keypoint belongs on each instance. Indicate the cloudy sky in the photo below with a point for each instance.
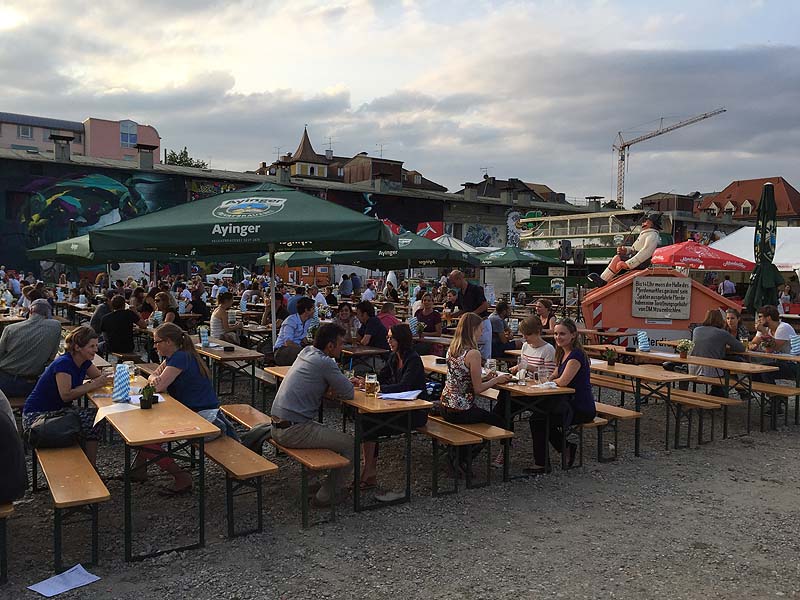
(534, 90)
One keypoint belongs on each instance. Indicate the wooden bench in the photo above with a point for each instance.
(262, 377)
(76, 488)
(310, 459)
(613, 414)
(681, 401)
(448, 435)
(244, 469)
(598, 423)
(724, 403)
(488, 433)
(6, 510)
(765, 390)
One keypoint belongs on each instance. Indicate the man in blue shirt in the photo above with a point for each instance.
(356, 281)
(299, 292)
(293, 333)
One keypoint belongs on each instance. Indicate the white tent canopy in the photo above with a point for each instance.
(787, 250)
(451, 242)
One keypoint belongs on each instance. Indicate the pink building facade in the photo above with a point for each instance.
(99, 138)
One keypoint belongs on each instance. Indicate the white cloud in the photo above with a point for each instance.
(535, 90)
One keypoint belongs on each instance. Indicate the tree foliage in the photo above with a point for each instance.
(182, 159)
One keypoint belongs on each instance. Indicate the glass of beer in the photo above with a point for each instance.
(131, 366)
(371, 385)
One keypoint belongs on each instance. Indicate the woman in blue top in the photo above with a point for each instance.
(63, 381)
(185, 377)
(572, 370)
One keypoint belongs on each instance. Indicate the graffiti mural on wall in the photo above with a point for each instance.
(95, 200)
(512, 233)
(204, 189)
(477, 234)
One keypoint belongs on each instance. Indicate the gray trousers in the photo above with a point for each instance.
(315, 435)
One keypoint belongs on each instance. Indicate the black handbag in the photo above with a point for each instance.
(58, 429)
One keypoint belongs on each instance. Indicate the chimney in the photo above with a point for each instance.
(146, 156)
(329, 154)
(471, 192)
(284, 176)
(263, 164)
(593, 205)
(62, 146)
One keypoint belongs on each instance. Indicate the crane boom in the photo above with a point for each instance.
(623, 147)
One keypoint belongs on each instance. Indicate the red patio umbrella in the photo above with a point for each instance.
(697, 256)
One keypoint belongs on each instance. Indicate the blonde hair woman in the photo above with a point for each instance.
(465, 381)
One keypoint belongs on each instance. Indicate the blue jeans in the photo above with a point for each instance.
(15, 387)
(786, 370)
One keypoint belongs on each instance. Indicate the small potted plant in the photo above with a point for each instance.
(610, 356)
(146, 399)
(684, 347)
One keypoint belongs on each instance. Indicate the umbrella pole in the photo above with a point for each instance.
(272, 289)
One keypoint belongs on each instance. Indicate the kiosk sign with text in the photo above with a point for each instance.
(661, 297)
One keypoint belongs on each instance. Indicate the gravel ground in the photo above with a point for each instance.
(721, 521)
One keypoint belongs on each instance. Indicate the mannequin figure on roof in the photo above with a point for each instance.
(636, 256)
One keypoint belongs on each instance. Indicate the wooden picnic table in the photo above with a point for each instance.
(649, 381)
(376, 413)
(746, 370)
(243, 356)
(168, 422)
(10, 320)
(362, 354)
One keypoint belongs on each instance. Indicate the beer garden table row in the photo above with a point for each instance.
(168, 422)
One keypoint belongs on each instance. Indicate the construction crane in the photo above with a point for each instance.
(623, 147)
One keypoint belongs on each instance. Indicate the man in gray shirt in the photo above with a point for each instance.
(297, 403)
(26, 348)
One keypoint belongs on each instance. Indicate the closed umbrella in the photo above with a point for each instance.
(766, 279)
(455, 243)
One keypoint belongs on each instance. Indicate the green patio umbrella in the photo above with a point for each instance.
(254, 219)
(511, 256)
(263, 217)
(412, 251)
(46, 252)
(766, 279)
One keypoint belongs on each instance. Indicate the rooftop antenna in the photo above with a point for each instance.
(277, 151)
(330, 142)
(381, 146)
(485, 171)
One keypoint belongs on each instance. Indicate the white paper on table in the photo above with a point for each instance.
(596, 361)
(546, 384)
(210, 345)
(70, 579)
(135, 399)
(412, 395)
(111, 409)
(135, 389)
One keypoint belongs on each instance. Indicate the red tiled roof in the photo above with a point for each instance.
(786, 197)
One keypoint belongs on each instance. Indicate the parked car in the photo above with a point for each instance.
(227, 272)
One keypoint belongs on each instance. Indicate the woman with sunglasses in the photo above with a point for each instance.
(545, 313)
(184, 376)
(403, 372)
(572, 370)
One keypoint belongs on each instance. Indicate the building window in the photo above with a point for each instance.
(25, 132)
(78, 138)
(46, 135)
(417, 179)
(127, 134)
(311, 170)
(341, 171)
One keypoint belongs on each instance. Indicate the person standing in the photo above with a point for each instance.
(346, 286)
(727, 288)
(117, 328)
(470, 298)
(26, 348)
(356, 281)
(297, 402)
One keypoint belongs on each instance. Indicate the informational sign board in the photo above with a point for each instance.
(661, 298)
(555, 271)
